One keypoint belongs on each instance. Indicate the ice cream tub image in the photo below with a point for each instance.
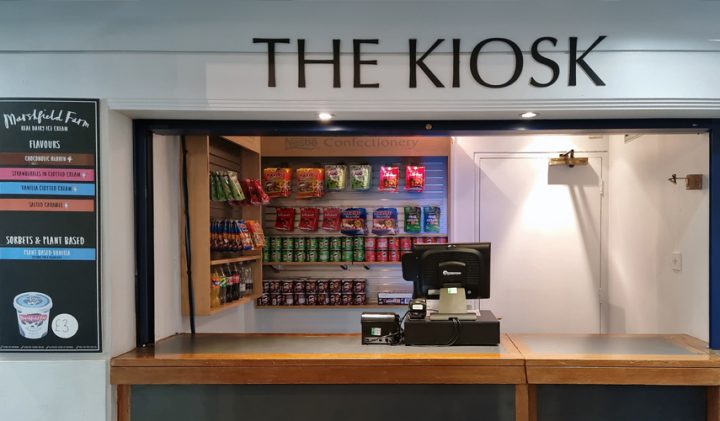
(33, 314)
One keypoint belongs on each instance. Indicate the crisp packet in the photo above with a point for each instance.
(352, 221)
(285, 219)
(235, 188)
(360, 177)
(414, 178)
(412, 219)
(331, 219)
(258, 236)
(277, 181)
(245, 236)
(310, 183)
(389, 179)
(335, 177)
(309, 219)
(431, 218)
(384, 221)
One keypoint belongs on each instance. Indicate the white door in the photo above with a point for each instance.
(544, 224)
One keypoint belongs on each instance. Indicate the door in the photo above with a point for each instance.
(544, 224)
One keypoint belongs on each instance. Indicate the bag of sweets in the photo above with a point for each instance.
(310, 183)
(431, 218)
(256, 231)
(389, 179)
(352, 221)
(384, 221)
(335, 177)
(331, 219)
(285, 219)
(254, 193)
(236, 189)
(414, 178)
(360, 177)
(412, 219)
(309, 219)
(277, 181)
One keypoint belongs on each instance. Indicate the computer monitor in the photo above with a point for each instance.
(452, 272)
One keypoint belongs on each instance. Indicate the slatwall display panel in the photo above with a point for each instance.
(435, 194)
(380, 278)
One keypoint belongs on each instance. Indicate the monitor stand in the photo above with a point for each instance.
(452, 305)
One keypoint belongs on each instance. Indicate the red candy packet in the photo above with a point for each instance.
(389, 179)
(331, 219)
(309, 219)
(414, 178)
(285, 219)
(277, 181)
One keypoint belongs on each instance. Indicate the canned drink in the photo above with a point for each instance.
(275, 243)
(298, 286)
(323, 299)
(334, 285)
(287, 243)
(442, 240)
(334, 298)
(300, 299)
(266, 254)
(324, 243)
(335, 256)
(358, 299)
(346, 255)
(324, 256)
(428, 240)
(311, 243)
(275, 287)
(381, 255)
(311, 256)
(370, 255)
(287, 256)
(418, 240)
(381, 243)
(393, 255)
(322, 286)
(310, 299)
(405, 243)
(275, 299)
(393, 243)
(335, 243)
(346, 299)
(300, 243)
(287, 299)
(266, 286)
(286, 287)
(358, 243)
(370, 243)
(275, 256)
(347, 243)
(359, 285)
(358, 255)
(346, 286)
(311, 286)
(299, 256)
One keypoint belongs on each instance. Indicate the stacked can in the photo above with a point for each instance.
(275, 246)
(311, 292)
(324, 249)
(347, 249)
(405, 245)
(370, 254)
(381, 247)
(393, 249)
(311, 249)
(335, 249)
(288, 248)
(358, 245)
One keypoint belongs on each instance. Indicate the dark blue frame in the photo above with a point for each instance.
(143, 182)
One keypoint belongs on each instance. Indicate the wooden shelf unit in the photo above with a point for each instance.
(205, 154)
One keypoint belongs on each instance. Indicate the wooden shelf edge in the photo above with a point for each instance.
(244, 300)
(235, 260)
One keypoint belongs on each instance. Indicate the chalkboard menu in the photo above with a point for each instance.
(49, 236)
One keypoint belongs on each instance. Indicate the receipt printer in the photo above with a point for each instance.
(380, 328)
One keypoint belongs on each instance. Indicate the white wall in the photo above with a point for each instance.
(650, 218)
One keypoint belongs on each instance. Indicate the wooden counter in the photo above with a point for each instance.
(313, 359)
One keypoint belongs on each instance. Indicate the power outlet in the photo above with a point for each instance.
(676, 261)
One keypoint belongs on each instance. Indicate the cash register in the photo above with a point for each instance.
(452, 273)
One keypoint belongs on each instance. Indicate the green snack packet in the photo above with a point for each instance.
(335, 177)
(412, 219)
(360, 177)
(431, 218)
(235, 189)
(213, 186)
(225, 193)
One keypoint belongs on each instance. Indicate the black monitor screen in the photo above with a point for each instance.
(435, 266)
